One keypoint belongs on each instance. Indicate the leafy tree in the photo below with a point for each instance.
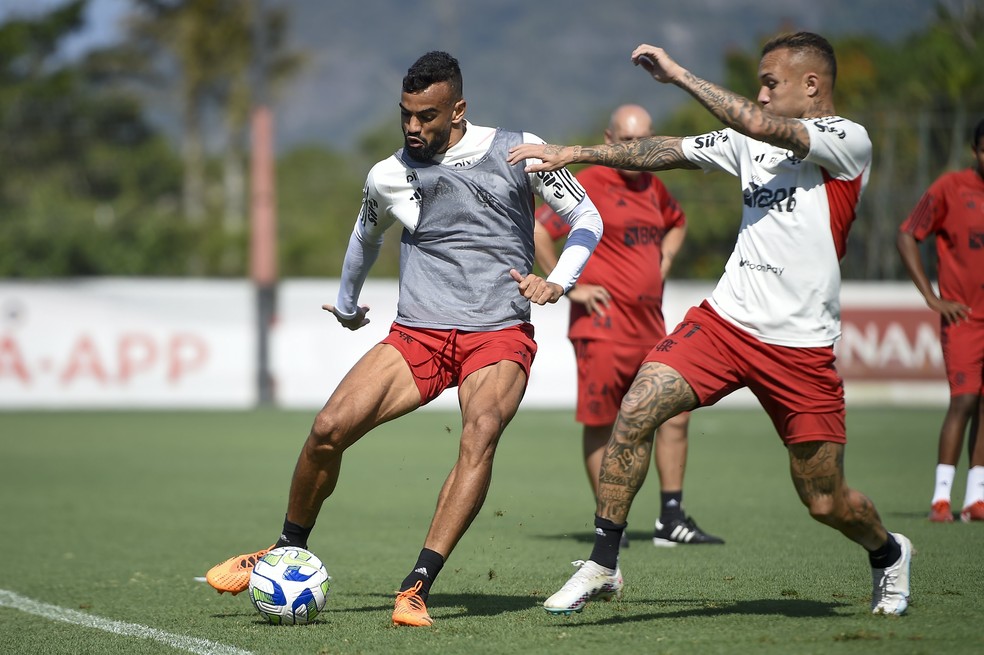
(318, 193)
(88, 185)
(209, 50)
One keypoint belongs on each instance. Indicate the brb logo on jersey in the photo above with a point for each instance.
(782, 199)
(643, 235)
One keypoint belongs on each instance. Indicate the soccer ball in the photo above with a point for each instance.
(289, 585)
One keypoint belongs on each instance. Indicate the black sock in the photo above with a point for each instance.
(294, 535)
(886, 555)
(671, 506)
(607, 537)
(429, 564)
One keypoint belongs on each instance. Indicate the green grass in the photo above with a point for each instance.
(115, 514)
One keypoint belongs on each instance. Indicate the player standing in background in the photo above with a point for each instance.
(952, 210)
(772, 320)
(617, 313)
(463, 317)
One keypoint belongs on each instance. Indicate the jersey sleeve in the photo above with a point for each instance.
(555, 225)
(927, 216)
(375, 216)
(672, 212)
(714, 151)
(566, 198)
(840, 146)
(560, 190)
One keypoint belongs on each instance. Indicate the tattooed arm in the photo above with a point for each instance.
(662, 152)
(735, 111)
(655, 153)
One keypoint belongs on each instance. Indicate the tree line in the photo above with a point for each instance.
(90, 186)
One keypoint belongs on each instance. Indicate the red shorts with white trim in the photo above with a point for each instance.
(963, 356)
(605, 371)
(798, 387)
(439, 359)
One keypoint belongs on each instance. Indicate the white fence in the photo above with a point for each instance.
(125, 343)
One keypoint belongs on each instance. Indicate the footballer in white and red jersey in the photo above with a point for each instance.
(782, 282)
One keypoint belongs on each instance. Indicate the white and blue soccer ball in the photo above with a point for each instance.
(289, 585)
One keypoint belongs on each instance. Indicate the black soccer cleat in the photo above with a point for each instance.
(682, 531)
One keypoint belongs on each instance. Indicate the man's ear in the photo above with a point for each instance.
(812, 83)
(458, 113)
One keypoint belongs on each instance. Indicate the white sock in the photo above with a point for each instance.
(975, 486)
(944, 482)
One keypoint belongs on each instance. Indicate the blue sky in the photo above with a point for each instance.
(102, 18)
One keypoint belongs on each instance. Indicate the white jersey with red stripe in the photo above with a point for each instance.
(782, 282)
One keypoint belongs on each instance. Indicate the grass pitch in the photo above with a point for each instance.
(109, 518)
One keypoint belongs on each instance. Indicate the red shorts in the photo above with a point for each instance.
(439, 359)
(963, 356)
(798, 387)
(605, 370)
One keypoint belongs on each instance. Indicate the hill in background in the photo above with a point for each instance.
(551, 67)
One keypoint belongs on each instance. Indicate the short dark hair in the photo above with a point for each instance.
(805, 42)
(978, 134)
(434, 67)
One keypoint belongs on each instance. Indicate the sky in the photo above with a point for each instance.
(102, 18)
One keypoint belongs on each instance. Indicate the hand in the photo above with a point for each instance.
(353, 322)
(551, 157)
(951, 311)
(657, 63)
(536, 289)
(594, 297)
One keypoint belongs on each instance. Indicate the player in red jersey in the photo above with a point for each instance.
(952, 210)
(616, 313)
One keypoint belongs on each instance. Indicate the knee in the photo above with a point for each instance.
(965, 405)
(488, 423)
(326, 436)
(637, 422)
(480, 434)
(822, 509)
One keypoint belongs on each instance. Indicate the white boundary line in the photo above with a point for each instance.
(55, 613)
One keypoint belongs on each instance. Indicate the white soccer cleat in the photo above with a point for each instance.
(890, 585)
(590, 581)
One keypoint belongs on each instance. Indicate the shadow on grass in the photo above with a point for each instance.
(441, 606)
(451, 606)
(587, 537)
(792, 608)
(920, 515)
(448, 606)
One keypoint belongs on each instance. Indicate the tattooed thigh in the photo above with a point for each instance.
(657, 394)
(817, 468)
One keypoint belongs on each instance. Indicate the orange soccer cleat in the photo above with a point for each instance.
(233, 574)
(940, 512)
(973, 512)
(410, 608)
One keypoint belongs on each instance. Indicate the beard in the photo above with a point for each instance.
(421, 154)
(427, 151)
